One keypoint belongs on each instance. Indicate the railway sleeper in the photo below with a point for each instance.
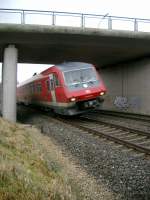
(121, 133)
(136, 139)
(130, 136)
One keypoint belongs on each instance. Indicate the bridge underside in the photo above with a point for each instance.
(48, 44)
(52, 44)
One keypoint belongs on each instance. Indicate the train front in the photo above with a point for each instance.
(85, 89)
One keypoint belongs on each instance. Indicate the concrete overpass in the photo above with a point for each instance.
(53, 44)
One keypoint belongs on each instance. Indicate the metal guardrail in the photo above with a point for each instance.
(55, 18)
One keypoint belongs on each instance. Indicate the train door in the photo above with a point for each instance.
(52, 87)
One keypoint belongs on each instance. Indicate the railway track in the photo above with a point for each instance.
(129, 137)
(137, 117)
(134, 139)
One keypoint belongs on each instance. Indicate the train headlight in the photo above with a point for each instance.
(73, 99)
(102, 93)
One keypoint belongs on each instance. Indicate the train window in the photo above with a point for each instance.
(32, 88)
(48, 85)
(56, 81)
(51, 84)
(39, 88)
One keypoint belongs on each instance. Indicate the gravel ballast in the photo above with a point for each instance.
(125, 173)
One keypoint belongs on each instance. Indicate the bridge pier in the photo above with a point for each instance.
(9, 82)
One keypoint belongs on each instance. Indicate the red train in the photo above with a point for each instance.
(68, 89)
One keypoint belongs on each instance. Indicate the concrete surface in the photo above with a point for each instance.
(9, 83)
(53, 44)
(128, 87)
(0, 98)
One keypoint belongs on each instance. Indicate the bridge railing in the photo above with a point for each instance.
(73, 19)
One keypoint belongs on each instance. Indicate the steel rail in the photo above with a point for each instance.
(109, 137)
(97, 133)
(124, 115)
(114, 139)
(113, 125)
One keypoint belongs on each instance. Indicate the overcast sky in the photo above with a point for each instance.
(130, 8)
(127, 8)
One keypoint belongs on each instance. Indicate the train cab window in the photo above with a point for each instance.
(81, 78)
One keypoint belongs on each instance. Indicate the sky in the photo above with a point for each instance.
(125, 8)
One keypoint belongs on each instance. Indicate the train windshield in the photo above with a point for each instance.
(83, 78)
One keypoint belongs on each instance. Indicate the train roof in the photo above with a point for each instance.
(33, 78)
(67, 66)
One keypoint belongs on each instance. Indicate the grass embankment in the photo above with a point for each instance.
(28, 169)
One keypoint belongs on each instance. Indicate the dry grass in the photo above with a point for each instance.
(28, 170)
